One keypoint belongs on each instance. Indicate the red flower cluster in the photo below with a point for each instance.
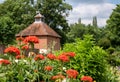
(31, 39)
(4, 62)
(25, 47)
(87, 79)
(39, 57)
(20, 38)
(63, 58)
(12, 50)
(72, 73)
(59, 76)
(51, 56)
(70, 54)
(48, 68)
(20, 56)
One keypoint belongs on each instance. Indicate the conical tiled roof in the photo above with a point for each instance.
(38, 28)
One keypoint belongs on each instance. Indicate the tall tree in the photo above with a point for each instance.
(113, 25)
(79, 20)
(55, 12)
(79, 30)
(7, 30)
(20, 11)
(95, 21)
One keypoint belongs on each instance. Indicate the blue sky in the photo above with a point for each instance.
(86, 9)
(114, 1)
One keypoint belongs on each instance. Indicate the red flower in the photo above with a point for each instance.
(51, 56)
(12, 50)
(63, 58)
(20, 38)
(59, 76)
(48, 68)
(39, 57)
(4, 62)
(20, 56)
(31, 39)
(87, 79)
(25, 47)
(72, 73)
(71, 54)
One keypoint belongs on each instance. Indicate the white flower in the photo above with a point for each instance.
(16, 61)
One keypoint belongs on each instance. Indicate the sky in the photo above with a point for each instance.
(87, 9)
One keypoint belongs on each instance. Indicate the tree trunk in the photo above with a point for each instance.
(2, 47)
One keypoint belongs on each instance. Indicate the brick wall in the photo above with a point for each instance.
(53, 42)
(48, 42)
(42, 43)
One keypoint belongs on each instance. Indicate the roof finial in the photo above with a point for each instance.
(38, 17)
(37, 12)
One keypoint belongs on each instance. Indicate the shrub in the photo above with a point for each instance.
(110, 50)
(89, 60)
(104, 42)
(114, 59)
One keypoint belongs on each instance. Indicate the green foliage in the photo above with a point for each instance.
(114, 59)
(54, 12)
(111, 50)
(7, 30)
(104, 42)
(21, 12)
(90, 59)
(78, 30)
(113, 26)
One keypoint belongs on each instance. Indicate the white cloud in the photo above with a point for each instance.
(86, 12)
(76, 2)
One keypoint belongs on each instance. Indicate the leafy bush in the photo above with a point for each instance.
(110, 50)
(104, 42)
(90, 59)
(114, 59)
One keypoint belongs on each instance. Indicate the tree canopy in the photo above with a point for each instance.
(7, 30)
(113, 25)
(22, 12)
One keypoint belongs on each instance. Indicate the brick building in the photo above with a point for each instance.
(49, 39)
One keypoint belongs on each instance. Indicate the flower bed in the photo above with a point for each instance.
(38, 67)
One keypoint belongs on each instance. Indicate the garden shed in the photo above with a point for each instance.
(48, 38)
